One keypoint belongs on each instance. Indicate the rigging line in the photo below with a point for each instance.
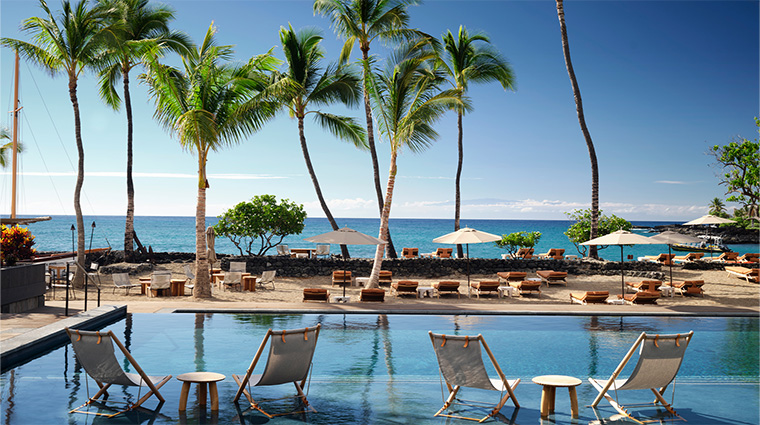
(44, 164)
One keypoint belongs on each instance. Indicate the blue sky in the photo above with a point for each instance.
(661, 82)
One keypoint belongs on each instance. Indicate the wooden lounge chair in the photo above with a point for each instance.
(550, 277)
(316, 294)
(512, 276)
(410, 252)
(447, 286)
(341, 277)
(372, 294)
(121, 281)
(405, 287)
(660, 358)
(95, 352)
(665, 259)
(644, 285)
(555, 253)
(689, 287)
(486, 286)
(692, 256)
(749, 258)
(643, 297)
(727, 257)
(460, 362)
(289, 361)
(750, 275)
(386, 278)
(589, 297)
(527, 286)
(443, 253)
(524, 253)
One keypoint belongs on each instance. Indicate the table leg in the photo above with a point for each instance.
(183, 396)
(214, 396)
(573, 402)
(552, 397)
(202, 394)
(545, 394)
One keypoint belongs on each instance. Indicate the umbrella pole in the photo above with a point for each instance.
(622, 273)
(468, 270)
(670, 263)
(344, 280)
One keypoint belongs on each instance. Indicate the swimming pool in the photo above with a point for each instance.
(381, 368)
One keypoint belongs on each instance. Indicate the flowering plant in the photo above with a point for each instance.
(15, 244)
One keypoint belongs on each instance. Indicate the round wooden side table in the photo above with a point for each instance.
(202, 379)
(550, 384)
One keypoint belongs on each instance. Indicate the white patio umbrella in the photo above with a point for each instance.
(345, 236)
(210, 239)
(620, 238)
(708, 219)
(669, 238)
(467, 236)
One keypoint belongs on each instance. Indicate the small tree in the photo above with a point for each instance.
(581, 231)
(15, 244)
(514, 241)
(262, 218)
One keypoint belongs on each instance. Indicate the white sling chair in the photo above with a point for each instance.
(121, 281)
(289, 361)
(267, 277)
(660, 357)
(95, 352)
(461, 365)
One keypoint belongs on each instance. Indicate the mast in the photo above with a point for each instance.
(14, 169)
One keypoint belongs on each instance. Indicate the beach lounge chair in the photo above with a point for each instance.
(460, 362)
(121, 281)
(386, 278)
(660, 357)
(322, 249)
(524, 253)
(442, 253)
(341, 277)
(512, 276)
(190, 277)
(283, 250)
(555, 253)
(526, 286)
(589, 297)
(410, 252)
(232, 279)
(550, 277)
(95, 352)
(372, 294)
(665, 259)
(405, 287)
(644, 285)
(486, 286)
(642, 297)
(689, 287)
(160, 284)
(447, 286)
(749, 258)
(289, 361)
(750, 275)
(267, 277)
(316, 294)
(692, 256)
(726, 257)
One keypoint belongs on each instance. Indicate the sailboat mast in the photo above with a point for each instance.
(14, 170)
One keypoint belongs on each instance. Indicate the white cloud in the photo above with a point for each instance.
(670, 182)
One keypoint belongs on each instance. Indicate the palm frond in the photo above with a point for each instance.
(344, 128)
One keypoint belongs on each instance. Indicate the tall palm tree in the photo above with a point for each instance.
(407, 102)
(308, 85)
(471, 59)
(717, 207)
(582, 120)
(361, 22)
(209, 104)
(68, 44)
(137, 27)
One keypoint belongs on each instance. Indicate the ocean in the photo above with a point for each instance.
(177, 234)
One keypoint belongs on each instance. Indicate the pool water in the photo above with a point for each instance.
(371, 369)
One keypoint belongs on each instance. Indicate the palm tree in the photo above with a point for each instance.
(582, 120)
(209, 105)
(306, 86)
(68, 44)
(137, 27)
(407, 102)
(360, 22)
(466, 59)
(5, 134)
(717, 207)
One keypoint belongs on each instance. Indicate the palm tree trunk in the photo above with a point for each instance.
(373, 153)
(79, 278)
(374, 277)
(458, 196)
(584, 129)
(313, 175)
(129, 227)
(202, 287)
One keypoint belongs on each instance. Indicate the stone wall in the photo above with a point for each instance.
(22, 288)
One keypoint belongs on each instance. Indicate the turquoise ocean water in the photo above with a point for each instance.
(177, 234)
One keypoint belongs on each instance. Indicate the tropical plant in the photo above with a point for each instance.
(136, 28)
(67, 44)
(580, 231)
(470, 58)
(718, 208)
(5, 134)
(407, 101)
(361, 22)
(595, 212)
(15, 244)
(263, 219)
(514, 241)
(306, 85)
(210, 104)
